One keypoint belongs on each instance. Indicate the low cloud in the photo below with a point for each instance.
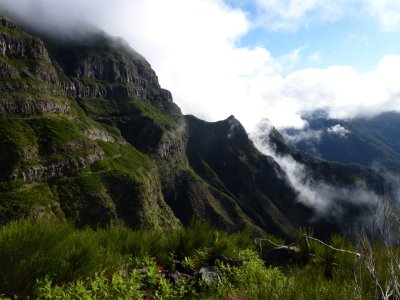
(338, 130)
(386, 11)
(323, 197)
(303, 135)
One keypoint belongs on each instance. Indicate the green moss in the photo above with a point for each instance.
(22, 98)
(31, 199)
(154, 113)
(118, 107)
(122, 157)
(14, 32)
(29, 193)
(57, 132)
(84, 199)
(29, 85)
(16, 131)
(103, 107)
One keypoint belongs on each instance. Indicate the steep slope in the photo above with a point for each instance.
(55, 160)
(223, 155)
(370, 142)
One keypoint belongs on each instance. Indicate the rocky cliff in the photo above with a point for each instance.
(57, 160)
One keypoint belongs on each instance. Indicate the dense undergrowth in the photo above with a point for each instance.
(48, 259)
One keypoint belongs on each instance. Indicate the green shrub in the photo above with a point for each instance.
(30, 250)
(123, 241)
(257, 281)
(50, 259)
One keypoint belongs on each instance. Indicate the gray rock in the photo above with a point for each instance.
(234, 262)
(56, 169)
(210, 275)
(177, 277)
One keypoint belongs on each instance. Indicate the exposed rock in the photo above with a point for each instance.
(234, 262)
(56, 169)
(177, 277)
(15, 46)
(33, 107)
(6, 71)
(32, 153)
(94, 89)
(168, 148)
(97, 134)
(281, 255)
(210, 275)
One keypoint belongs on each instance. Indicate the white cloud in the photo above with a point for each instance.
(386, 11)
(341, 90)
(303, 135)
(323, 197)
(289, 15)
(338, 130)
(192, 46)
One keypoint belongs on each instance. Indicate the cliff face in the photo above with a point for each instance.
(55, 159)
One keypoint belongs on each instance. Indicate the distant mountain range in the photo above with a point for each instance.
(372, 142)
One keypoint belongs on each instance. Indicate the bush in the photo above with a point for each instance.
(50, 259)
(30, 250)
(257, 281)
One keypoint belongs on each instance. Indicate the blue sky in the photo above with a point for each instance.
(354, 40)
(254, 59)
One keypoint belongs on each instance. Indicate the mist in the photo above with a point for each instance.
(207, 70)
(324, 198)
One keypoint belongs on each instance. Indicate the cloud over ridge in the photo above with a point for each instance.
(194, 48)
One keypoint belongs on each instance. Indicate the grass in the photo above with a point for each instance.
(32, 98)
(57, 252)
(30, 67)
(29, 251)
(122, 157)
(15, 32)
(28, 200)
(49, 259)
(126, 106)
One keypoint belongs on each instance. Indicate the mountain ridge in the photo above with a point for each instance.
(89, 135)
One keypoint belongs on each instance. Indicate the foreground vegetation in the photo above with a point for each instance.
(53, 260)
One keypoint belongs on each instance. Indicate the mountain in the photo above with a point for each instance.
(371, 142)
(59, 161)
(87, 134)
